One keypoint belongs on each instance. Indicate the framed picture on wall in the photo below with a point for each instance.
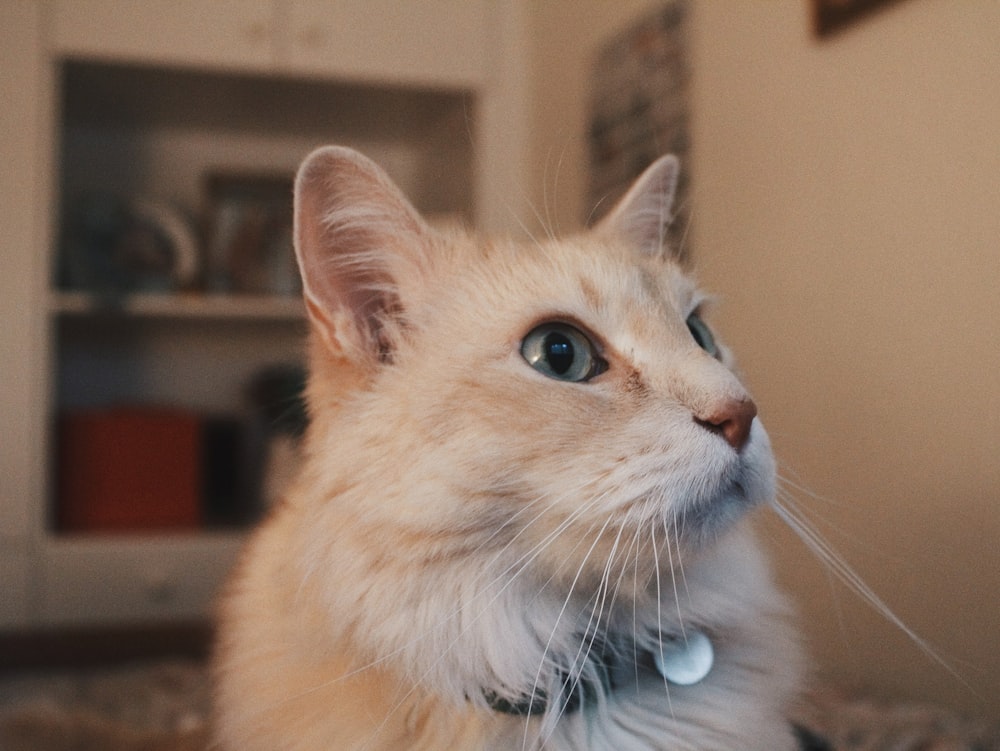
(830, 16)
(639, 110)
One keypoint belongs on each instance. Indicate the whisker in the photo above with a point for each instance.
(562, 612)
(840, 569)
(790, 478)
(673, 579)
(816, 519)
(524, 227)
(689, 221)
(554, 228)
(680, 563)
(659, 614)
(635, 603)
(601, 596)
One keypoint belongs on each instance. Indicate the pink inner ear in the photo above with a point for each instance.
(354, 231)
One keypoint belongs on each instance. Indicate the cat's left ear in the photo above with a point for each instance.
(356, 238)
(644, 213)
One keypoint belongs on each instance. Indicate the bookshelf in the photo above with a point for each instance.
(224, 88)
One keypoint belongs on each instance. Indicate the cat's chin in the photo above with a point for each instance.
(707, 521)
(712, 510)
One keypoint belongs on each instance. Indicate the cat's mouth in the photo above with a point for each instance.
(702, 520)
(698, 511)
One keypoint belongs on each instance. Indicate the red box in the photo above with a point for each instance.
(128, 469)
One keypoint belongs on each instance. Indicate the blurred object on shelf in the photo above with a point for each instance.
(226, 472)
(249, 234)
(280, 419)
(112, 246)
(129, 469)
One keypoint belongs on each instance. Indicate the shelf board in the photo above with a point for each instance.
(94, 579)
(227, 541)
(181, 305)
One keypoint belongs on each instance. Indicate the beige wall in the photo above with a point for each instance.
(565, 35)
(847, 210)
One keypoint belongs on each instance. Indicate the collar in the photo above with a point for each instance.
(681, 660)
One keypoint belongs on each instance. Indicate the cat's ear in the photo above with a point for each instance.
(644, 213)
(355, 234)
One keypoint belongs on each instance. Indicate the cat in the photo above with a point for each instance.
(522, 518)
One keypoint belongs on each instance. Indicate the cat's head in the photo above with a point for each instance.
(564, 396)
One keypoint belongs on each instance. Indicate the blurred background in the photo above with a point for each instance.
(846, 210)
(841, 198)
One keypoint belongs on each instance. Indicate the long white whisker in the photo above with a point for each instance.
(682, 242)
(554, 228)
(551, 719)
(659, 613)
(842, 571)
(673, 579)
(569, 594)
(635, 602)
(601, 598)
(680, 563)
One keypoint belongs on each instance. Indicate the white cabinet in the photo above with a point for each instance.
(144, 580)
(229, 33)
(439, 42)
(15, 578)
(147, 99)
(23, 252)
(426, 42)
(24, 153)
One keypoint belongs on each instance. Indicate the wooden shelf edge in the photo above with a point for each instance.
(180, 305)
(223, 539)
(92, 646)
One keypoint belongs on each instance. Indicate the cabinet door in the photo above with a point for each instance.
(227, 33)
(425, 42)
(13, 583)
(24, 146)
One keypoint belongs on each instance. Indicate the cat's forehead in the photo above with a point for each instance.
(605, 276)
(497, 291)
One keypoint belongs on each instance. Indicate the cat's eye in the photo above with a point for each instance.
(562, 352)
(702, 334)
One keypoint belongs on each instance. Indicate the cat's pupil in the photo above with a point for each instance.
(559, 352)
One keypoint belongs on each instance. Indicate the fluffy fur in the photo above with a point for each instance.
(466, 525)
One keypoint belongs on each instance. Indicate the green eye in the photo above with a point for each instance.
(562, 352)
(702, 334)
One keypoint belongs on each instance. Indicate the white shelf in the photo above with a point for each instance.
(138, 577)
(181, 305)
(175, 542)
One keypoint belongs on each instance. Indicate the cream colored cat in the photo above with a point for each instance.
(521, 519)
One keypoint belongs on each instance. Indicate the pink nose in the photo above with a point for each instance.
(730, 418)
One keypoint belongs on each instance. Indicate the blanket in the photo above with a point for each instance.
(165, 706)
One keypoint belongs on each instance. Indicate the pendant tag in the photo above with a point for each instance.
(685, 662)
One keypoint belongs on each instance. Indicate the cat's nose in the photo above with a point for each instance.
(731, 418)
